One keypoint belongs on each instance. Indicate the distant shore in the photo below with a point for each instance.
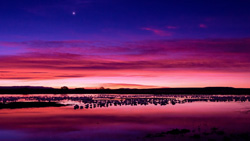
(45, 90)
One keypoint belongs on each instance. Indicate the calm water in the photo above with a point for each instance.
(126, 117)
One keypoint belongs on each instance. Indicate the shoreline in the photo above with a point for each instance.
(157, 91)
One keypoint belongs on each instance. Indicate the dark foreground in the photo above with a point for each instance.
(124, 117)
(45, 90)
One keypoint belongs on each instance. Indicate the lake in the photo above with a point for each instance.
(124, 117)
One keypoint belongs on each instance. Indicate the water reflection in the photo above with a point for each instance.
(126, 117)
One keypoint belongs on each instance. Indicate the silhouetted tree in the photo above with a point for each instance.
(101, 88)
(64, 88)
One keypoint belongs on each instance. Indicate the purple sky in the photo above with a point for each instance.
(115, 43)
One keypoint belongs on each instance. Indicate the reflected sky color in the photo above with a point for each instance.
(124, 122)
(125, 43)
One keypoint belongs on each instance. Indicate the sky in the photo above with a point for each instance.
(125, 43)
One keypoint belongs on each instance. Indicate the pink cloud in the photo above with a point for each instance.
(125, 85)
(157, 31)
(203, 26)
(172, 27)
(57, 60)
